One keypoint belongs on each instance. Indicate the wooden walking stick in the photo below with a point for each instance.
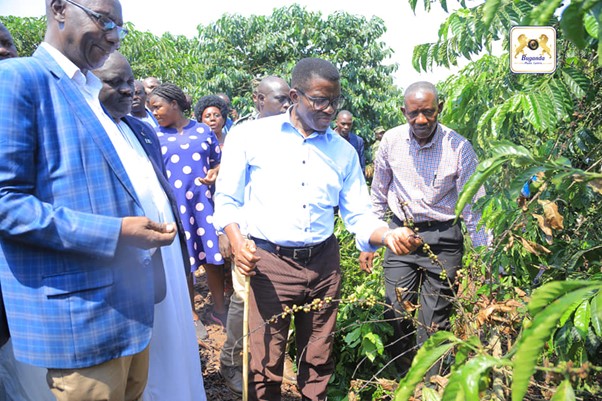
(245, 342)
(245, 332)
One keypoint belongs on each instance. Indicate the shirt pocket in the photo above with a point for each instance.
(442, 187)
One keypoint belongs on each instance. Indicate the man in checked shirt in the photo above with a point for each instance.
(419, 171)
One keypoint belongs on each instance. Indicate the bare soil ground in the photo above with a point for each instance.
(209, 351)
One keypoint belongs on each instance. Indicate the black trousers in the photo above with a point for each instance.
(418, 280)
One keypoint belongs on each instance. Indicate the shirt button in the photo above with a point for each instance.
(304, 206)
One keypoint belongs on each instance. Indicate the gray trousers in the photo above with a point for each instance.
(231, 354)
(420, 281)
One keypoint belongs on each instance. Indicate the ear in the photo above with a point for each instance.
(57, 10)
(294, 95)
(439, 107)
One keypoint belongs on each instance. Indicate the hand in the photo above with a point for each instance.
(209, 178)
(244, 256)
(142, 232)
(402, 241)
(224, 246)
(366, 259)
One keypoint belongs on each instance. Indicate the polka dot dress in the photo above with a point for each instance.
(187, 157)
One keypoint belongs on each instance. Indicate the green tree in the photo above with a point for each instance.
(235, 51)
(27, 32)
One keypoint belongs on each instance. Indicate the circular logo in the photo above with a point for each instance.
(533, 44)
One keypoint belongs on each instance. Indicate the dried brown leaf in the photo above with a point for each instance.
(513, 303)
(540, 248)
(386, 384)
(533, 247)
(440, 381)
(484, 315)
(528, 247)
(399, 293)
(543, 224)
(550, 211)
(409, 307)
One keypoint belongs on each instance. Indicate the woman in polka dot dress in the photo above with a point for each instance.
(213, 110)
(192, 154)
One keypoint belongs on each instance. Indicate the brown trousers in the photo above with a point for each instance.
(282, 282)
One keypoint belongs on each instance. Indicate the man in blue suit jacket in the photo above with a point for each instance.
(76, 246)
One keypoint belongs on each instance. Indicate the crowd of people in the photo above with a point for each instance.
(112, 196)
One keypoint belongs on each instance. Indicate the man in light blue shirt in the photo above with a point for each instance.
(297, 170)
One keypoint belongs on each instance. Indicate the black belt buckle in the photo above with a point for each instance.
(302, 253)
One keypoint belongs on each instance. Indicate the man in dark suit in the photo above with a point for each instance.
(175, 367)
(76, 240)
(344, 124)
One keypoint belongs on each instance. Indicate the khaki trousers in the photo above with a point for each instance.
(121, 379)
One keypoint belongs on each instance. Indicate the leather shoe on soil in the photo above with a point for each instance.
(233, 377)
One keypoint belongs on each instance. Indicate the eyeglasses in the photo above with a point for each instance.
(106, 23)
(428, 113)
(322, 103)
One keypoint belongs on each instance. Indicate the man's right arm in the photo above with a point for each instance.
(230, 186)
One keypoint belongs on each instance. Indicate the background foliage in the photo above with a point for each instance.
(234, 52)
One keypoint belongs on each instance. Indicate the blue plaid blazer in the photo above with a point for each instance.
(74, 296)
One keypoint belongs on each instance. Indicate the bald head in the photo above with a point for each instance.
(272, 96)
(7, 44)
(271, 82)
(421, 109)
(117, 85)
(421, 87)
